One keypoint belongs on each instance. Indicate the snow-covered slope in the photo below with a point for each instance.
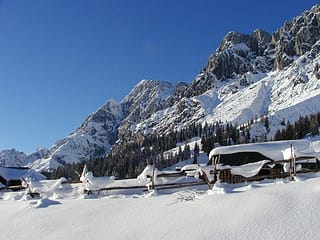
(274, 209)
(279, 95)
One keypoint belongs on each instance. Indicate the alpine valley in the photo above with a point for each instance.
(248, 79)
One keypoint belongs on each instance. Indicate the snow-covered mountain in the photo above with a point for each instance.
(247, 77)
(93, 138)
(146, 98)
(14, 158)
(100, 130)
(250, 76)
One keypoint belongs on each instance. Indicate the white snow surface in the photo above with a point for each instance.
(273, 209)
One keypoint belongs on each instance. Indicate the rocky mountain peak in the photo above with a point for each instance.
(147, 97)
(232, 39)
(111, 110)
(237, 54)
(110, 122)
(263, 40)
(259, 52)
(296, 37)
(256, 42)
(94, 137)
(12, 158)
(145, 89)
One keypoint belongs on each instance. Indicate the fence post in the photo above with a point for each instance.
(292, 164)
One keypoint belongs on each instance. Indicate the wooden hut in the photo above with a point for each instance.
(257, 161)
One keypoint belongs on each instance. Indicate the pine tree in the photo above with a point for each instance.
(290, 133)
(180, 154)
(278, 135)
(196, 153)
(186, 152)
(314, 128)
(266, 124)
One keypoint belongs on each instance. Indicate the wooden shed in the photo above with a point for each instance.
(257, 161)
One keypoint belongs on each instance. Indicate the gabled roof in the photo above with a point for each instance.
(272, 150)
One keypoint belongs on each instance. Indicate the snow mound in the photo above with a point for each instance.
(217, 189)
(45, 202)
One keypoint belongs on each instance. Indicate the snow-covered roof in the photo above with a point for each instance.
(248, 170)
(11, 173)
(273, 150)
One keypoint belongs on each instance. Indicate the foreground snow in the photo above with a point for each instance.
(273, 209)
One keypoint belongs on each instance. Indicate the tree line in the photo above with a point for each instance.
(304, 126)
(130, 155)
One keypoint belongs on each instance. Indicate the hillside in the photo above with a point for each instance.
(248, 78)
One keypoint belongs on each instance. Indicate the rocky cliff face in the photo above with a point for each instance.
(146, 98)
(260, 52)
(237, 55)
(296, 37)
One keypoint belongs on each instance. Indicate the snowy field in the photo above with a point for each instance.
(271, 209)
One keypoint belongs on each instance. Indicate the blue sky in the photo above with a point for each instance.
(62, 59)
